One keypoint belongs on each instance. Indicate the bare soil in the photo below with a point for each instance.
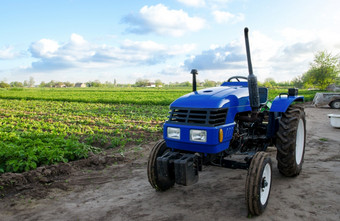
(112, 187)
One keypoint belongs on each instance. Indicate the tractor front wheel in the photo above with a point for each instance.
(159, 184)
(258, 183)
(290, 142)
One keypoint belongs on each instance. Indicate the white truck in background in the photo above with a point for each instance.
(331, 99)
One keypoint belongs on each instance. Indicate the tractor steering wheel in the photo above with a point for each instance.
(237, 78)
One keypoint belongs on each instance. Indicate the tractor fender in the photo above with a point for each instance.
(282, 102)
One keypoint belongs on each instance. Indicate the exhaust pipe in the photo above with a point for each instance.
(253, 89)
(194, 73)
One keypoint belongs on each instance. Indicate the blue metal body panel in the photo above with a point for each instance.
(231, 95)
(216, 97)
(282, 102)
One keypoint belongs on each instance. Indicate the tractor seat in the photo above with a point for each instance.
(263, 93)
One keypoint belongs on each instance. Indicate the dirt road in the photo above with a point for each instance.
(122, 192)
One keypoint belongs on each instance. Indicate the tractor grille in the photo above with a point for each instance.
(204, 117)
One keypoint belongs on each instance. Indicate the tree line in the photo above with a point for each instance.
(322, 72)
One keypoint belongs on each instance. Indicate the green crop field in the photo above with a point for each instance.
(95, 95)
(47, 126)
(35, 133)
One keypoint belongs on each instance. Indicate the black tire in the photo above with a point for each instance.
(291, 140)
(258, 183)
(160, 185)
(335, 104)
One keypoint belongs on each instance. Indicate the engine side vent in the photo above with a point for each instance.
(204, 117)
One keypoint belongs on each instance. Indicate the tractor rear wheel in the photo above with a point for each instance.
(258, 183)
(291, 140)
(158, 150)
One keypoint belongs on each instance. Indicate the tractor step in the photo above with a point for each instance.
(234, 164)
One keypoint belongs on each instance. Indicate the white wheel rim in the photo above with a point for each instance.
(337, 104)
(300, 138)
(265, 183)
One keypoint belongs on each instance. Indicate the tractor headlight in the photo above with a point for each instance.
(174, 133)
(198, 135)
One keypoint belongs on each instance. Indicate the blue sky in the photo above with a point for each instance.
(82, 40)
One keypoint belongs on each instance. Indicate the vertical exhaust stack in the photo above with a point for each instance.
(194, 73)
(254, 97)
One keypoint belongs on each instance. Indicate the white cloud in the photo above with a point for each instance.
(327, 37)
(7, 53)
(44, 48)
(218, 58)
(218, 4)
(77, 40)
(79, 53)
(227, 17)
(194, 3)
(280, 59)
(161, 20)
(219, 1)
(143, 45)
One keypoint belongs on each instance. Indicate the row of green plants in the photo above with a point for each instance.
(35, 133)
(117, 96)
(143, 96)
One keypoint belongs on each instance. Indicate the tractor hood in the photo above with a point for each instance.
(216, 97)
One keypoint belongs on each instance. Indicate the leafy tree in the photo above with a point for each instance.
(42, 84)
(185, 84)
(208, 83)
(337, 80)
(51, 84)
(323, 71)
(31, 82)
(284, 84)
(159, 83)
(142, 82)
(69, 84)
(269, 83)
(16, 84)
(297, 82)
(4, 85)
(95, 83)
(108, 84)
(59, 84)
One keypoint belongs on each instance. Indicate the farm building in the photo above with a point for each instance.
(80, 85)
(151, 84)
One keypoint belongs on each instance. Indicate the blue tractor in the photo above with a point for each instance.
(209, 126)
